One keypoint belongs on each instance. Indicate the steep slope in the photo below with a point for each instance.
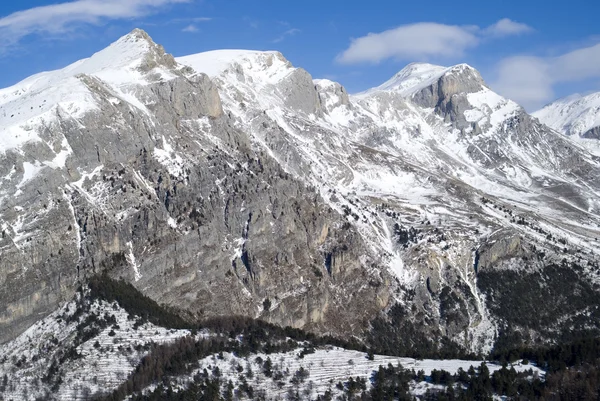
(232, 183)
(575, 115)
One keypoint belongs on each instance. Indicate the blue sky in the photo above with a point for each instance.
(526, 50)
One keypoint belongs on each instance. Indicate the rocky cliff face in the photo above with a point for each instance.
(158, 186)
(232, 183)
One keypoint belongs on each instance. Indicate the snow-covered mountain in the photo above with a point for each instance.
(233, 183)
(574, 115)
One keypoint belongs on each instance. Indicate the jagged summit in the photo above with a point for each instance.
(413, 75)
(266, 72)
(134, 51)
(137, 34)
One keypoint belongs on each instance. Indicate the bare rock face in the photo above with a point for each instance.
(459, 80)
(332, 95)
(300, 93)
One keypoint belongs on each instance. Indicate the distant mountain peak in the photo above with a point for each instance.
(574, 115)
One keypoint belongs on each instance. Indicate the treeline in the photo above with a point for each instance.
(134, 302)
(534, 301)
(242, 336)
(139, 306)
(557, 357)
(397, 335)
(165, 361)
(393, 335)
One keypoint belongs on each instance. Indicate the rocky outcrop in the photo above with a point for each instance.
(461, 79)
(332, 95)
(299, 92)
(593, 133)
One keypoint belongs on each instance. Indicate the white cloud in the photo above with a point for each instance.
(507, 27)
(63, 17)
(526, 80)
(531, 80)
(190, 29)
(289, 32)
(413, 41)
(423, 40)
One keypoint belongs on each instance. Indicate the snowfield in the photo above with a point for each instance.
(326, 367)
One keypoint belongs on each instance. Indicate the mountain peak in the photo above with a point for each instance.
(132, 59)
(136, 50)
(136, 35)
(418, 76)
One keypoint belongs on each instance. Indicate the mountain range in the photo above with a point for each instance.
(425, 215)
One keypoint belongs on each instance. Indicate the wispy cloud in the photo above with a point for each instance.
(190, 29)
(531, 80)
(507, 27)
(289, 32)
(193, 19)
(64, 17)
(254, 24)
(424, 40)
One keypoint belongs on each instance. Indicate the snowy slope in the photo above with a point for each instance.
(574, 115)
(101, 363)
(213, 63)
(328, 366)
(34, 100)
(108, 357)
